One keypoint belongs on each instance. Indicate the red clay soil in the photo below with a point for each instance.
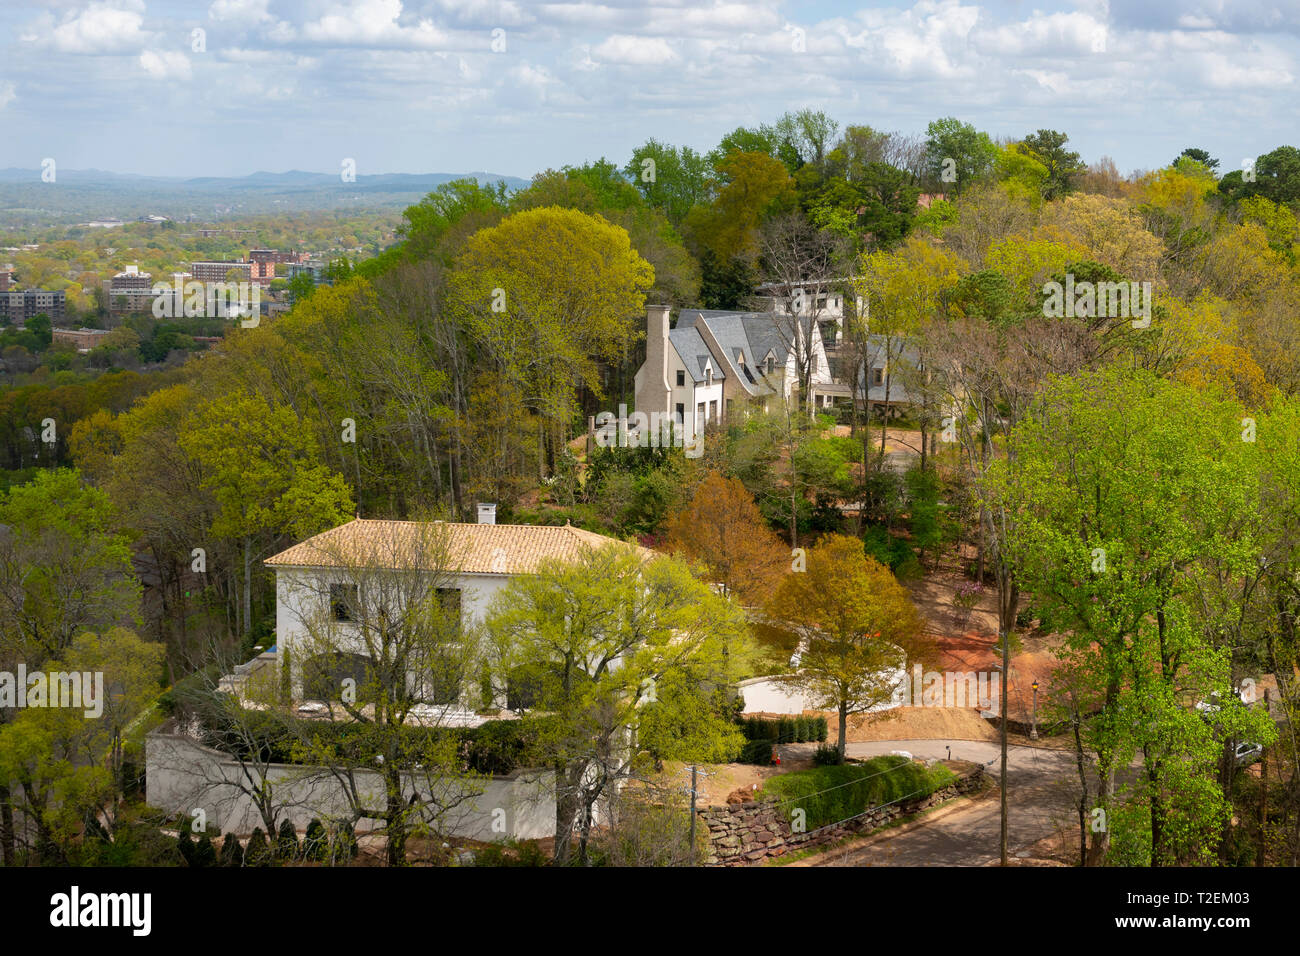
(967, 640)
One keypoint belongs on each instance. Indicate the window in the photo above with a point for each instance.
(708, 375)
(681, 378)
(877, 376)
(450, 600)
(681, 414)
(344, 600)
(771, 365)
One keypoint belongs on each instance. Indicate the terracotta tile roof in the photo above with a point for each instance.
(470, 548)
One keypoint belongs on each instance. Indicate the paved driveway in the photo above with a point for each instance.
(1043, 797)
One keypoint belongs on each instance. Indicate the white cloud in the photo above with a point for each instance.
(167, 65)
(7, 94)
(636, 51)
(244, 11)
(1043, 35)
(373, 23)
(102, 28)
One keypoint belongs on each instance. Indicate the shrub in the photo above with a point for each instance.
(826, 755)
(286, 842)
(757, 752)
(185, 843)
(832, 794)
(315, 844)
(204, 853)
(511, 853)
(820, 728)
(232, 854)
(258, 851)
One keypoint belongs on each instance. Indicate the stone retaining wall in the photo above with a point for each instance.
(741, 834)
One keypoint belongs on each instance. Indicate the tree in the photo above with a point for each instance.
(65, 761)
(857, 628)
(1047, 147)
(1199, 156)
(259, 463)
(722, 530)
(957, 153)
(755, 186)
(594, 639)
(1128, 489)
(806, 264)
(545, 296)
(63, 567)
(902, 290)
(671, 179)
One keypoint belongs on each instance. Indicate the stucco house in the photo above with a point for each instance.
(334, 581)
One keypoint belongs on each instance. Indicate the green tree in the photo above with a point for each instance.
(1047, 146)
(594, 639)
(957, 153)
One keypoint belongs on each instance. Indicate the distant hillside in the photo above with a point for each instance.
(80, 195)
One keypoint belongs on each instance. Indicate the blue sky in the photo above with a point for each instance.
(415, 86)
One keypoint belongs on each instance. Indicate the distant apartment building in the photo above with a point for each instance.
(5, 278)
(129, 291)
(16, 308)
(262, 262)
(82, 339)
(206, 272)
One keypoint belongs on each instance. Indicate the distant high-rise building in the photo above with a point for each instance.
(262, 262)
(129, 291)
(206, 272)
(16, 308)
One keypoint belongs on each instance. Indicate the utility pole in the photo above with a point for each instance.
(696, 773)
(1263, 796)
(1006, 680)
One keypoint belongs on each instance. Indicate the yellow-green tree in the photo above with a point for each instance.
(544, 297)
(857, 627)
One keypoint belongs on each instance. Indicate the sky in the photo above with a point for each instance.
(229, 87)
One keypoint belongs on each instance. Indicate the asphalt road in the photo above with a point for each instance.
(1043, 798)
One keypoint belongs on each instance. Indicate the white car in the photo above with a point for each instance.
(1247, 753)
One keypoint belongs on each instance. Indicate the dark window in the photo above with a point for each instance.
(449, 599)
(344, 599)
(522, 689)
(681, 377)
(877, 376)
(445, 680)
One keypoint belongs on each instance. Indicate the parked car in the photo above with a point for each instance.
(1247, 753)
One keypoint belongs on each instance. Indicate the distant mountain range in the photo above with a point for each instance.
(79, 195)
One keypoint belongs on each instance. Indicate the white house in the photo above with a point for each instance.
(319, 581)
(715, 362)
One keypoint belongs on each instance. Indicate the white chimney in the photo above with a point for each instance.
(487, 513)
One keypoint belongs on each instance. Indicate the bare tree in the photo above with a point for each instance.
(806, 264)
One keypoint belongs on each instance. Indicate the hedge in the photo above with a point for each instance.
(832, 794)
(496, 747)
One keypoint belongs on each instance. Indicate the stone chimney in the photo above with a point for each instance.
(487, 512)
(653, 390)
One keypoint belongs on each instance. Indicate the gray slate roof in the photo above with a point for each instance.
(694, 353)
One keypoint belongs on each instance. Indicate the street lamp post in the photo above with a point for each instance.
(1033, 727)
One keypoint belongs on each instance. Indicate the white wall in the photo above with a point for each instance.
(181, 776)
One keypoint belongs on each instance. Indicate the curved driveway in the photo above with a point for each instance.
(1042, 798)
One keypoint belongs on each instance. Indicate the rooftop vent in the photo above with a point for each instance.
(487, 513)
